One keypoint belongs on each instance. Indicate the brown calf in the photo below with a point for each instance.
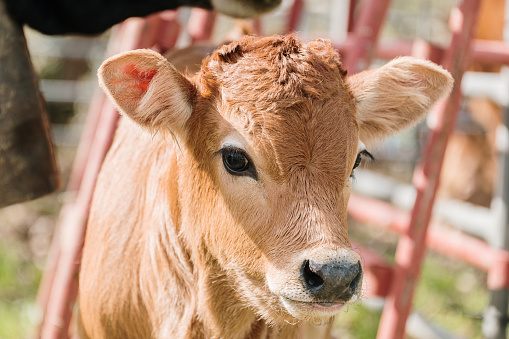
(470, 167)
(220, 211)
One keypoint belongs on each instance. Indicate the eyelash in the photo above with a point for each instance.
(362, 153)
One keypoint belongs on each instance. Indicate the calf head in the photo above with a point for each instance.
(269, 133)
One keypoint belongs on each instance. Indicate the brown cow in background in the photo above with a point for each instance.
(470, 167)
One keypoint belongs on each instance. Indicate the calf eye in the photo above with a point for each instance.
(237, 162)
(358, 160)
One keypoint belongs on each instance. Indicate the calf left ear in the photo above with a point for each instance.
(396, 95)
(148, 89)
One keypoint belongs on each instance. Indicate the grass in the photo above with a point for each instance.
(18, 285)
(452, 295)
(25, 233)
(357, 322)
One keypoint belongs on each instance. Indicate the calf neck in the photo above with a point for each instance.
(220, 211)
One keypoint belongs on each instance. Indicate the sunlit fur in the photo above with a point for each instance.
(176, 246)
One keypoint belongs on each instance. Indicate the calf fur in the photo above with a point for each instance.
(220, 211)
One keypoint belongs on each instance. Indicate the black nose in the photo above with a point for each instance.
(332, 281)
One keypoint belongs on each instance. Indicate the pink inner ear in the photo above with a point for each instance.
(142, 77)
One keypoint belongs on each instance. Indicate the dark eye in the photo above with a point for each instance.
(237, 162)
(358, 160)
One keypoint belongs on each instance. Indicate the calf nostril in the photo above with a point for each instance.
(311, 279)
(356, 280)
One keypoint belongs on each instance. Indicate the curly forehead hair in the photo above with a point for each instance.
(277, 67)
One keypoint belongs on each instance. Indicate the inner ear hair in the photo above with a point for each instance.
(397, 95)
(149, 90)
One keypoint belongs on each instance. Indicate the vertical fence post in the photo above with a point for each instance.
(365, 34)
(411, 245)
(495, 315)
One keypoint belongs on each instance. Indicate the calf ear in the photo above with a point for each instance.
(148, 89)
(396, 95)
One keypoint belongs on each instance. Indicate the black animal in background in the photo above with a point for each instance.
(96, 16)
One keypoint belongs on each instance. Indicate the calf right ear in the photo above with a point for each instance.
(397, 95)
(146, 88)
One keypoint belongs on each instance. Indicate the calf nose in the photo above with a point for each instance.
(332, 281)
